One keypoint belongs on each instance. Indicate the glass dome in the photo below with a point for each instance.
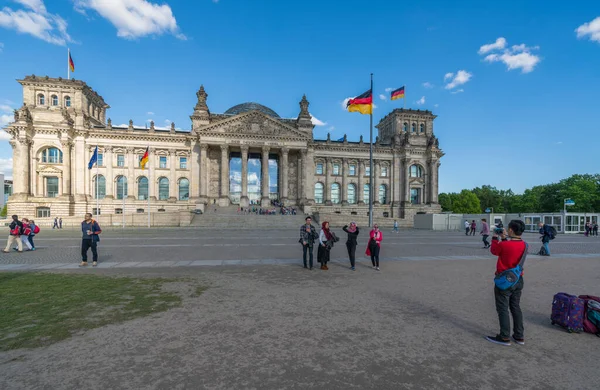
(245, 107)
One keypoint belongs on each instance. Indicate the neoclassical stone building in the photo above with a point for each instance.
(221, 160)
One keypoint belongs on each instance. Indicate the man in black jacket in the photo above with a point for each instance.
(16, 228)
(546, 233)
(90, 230)
(307, 239)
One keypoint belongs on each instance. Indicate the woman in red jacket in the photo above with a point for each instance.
(374, 246)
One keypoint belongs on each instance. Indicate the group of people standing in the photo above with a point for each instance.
(591, 229)
(21, 233)
(327, 238)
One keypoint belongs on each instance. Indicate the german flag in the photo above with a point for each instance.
(71, 63)
(144, 159)
(362, 103)
(398, 93)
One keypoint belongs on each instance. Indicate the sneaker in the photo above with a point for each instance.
(519, 341)
(353, 268)
(95, 263)
(32, 249)
(374, 267)
(498, 340)
(83, 264)
(377, 268)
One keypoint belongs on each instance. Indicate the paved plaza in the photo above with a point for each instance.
(266, 323)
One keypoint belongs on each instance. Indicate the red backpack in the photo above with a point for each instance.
(36, 229)
(16, 231)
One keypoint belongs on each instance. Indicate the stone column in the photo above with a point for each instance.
(434, 181)
(80, 172)
(361, 183)
(396, 179)
(19, 178)
(309, 176)
(265, 201)
(152, 185)
(344, 182)
(195, 171)
(406, 180)
(375, 187)
(66, 175)
(284, 174)
(244, 201)
(131, 164)
(327, 193)
(204, 171)
(300, 178)
(173, 185)
(224, 175)
(109, 179)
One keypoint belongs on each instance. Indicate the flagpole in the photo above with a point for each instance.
(97, 179)
(123, 179)
(371, 189)
(69, 66)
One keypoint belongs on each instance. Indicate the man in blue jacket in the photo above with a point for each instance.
(547, 235)
(91, 231)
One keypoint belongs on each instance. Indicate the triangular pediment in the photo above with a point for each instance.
(253, 123)
(49, 170)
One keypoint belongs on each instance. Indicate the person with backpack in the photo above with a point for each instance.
(25, 233)
(15, 230)
(35, 229)
(548, 233)
(511, 251)
(90, 239)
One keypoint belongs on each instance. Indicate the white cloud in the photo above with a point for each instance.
(6, 167)
(559, 143)
(35, 20)
(428, 85)
(5, 119)
(421, 101)
(590, 30)
(345, 103)
(389, 89)
(150, 113)
(436, 105)
(461, 77)
(382, 97)
(515, 57)
(5, 108)
(317, 122)
(498, 45)
(331, 128)
(134, 18)
(457, 91)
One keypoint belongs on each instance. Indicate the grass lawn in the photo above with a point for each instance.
(38, 309)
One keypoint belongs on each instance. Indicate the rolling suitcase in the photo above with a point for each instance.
(568, 311)
(589, 326)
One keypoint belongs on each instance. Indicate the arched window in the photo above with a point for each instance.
(383, 194)
(319, 193)
(184, 189)
(121, 187)
(143, 188)
(351, 193)
(413, 128)
(405, 127)
(41, 99)
(422, 128)
(67, 101)
(416, 171)
(366, 193)
(52, 156)
(99, 187)
(163, 188)
(54, 100)
(335, 193)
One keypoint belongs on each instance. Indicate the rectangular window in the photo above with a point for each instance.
(182, 162)
(162, 162)
(120, 160)
(367, 171)
(352, 170)
(52, 187)
(118, 211)
(415, 195)
(336, 169)
(100, 160)
(319, 169)
(43, 212)
(96, 211)
(384, 172)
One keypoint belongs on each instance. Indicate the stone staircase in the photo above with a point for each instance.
(228, 217)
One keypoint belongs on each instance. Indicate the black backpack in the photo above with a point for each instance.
(551, 232)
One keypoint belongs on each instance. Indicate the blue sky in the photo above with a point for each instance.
(518, 113)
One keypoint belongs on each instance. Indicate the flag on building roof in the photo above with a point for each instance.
(398, 93)
(71, 63)
(340, 139)
(94, 159)
(362, 103)
(144, 159)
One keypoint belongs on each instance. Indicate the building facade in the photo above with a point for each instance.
(223, 159)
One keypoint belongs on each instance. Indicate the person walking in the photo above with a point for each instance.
(15, 230)
(34, 230)
(325, 245)
(60, 223)
(374, 246)
(395, 226)
(473, 227)
(307, 239)
(55, 223)
(547, 235)
(90, 239)
(509, 252)
(351, 243)
(485, 233)
(595, 229)
(467, 228)
(25, 233)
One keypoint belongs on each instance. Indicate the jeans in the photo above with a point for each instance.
(25, 241)
(30, 238)
(351, 253)
(87, 244)
(510, 299)
(467, 230)
(309, 249)
(375, 256)
(546, 245)
(485, 241)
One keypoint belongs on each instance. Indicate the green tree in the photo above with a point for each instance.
(464, 203)
(4, 211)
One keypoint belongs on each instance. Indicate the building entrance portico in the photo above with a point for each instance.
(246, 177)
